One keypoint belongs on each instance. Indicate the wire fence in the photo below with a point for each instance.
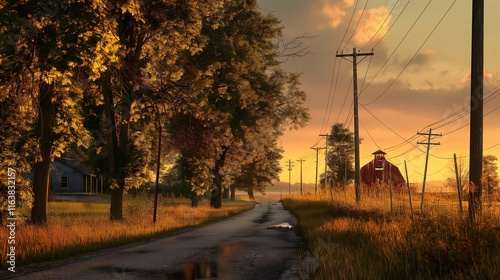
(397, 202)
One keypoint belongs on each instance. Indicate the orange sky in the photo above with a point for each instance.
(417, 79)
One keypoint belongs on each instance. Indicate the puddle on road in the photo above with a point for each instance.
(281, 226)
(191, 271)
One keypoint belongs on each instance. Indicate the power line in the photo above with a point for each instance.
(395, 21)
(357, 24)
(301, 161)
(428, 143)
(357, 167)
(463, 110)
(416, 52)
(348, 25)
(329, 104)
(398, 45)
(370, 135)
(383, 23)
(289, 165)
(382, 122)
(496, 145)
(343, 103)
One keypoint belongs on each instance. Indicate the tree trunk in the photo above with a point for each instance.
(129, 37)
(39, 212)
(116, 212)
(194, 200)
(250, 194)
(41, 180)
(225, 193)
(216, 200)
(233, 193)
(115, 209)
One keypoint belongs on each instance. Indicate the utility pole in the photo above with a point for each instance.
(476, 110)
(316, 181)
(289, 165)
(428, 143)
(409, 191)
(326, 157)
(301, 160)
(357, 164)
(459, 188)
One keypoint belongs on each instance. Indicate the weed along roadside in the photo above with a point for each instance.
(365, 241)
(76, 228)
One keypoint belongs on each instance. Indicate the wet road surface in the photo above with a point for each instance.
(246, 246)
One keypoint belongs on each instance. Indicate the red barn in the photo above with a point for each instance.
(380, 170)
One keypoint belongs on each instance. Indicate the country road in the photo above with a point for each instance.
(245, 246)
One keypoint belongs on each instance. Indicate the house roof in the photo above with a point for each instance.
(379, 152)
(75, 165)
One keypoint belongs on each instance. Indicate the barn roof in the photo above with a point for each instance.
(381, 170)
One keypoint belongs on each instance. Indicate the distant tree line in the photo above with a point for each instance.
(97, 80)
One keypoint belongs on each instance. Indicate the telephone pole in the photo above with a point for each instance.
(357, 166)
(289, 165)
(326, 157)
(476, 110)
(316, 182)
(428, 143)
(301, 160)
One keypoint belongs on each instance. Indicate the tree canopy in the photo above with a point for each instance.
(93, 78)
(341, 153)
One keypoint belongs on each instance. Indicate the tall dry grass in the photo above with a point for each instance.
(367, 240)
(78, 227)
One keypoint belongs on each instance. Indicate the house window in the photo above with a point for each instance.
(64, 181)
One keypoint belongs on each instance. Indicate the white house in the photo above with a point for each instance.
(72, 176)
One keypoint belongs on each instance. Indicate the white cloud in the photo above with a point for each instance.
(373, 23)
(335, 11)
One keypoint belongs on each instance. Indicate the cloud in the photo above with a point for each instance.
(335, 11)
(488, 77)
(430, 52)
(373, 25)
(423, 59)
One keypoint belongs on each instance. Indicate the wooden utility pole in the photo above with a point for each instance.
(357, 167)
(476, 111)
(326, 157)
(459, 188)
(289, 165)
(390, 188)
(316, 181)
(301, 160)
(428, 143)
(409, 191)
(158, 163)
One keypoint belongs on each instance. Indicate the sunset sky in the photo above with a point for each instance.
(417, 79)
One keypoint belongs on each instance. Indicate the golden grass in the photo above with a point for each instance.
(367, 240)
(78, 227)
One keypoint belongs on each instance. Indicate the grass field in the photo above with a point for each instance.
(75, 228)
(366, 240)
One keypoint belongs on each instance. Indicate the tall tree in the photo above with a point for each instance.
(243, 87)
(47, 44)
(341, 153)
(152, 36)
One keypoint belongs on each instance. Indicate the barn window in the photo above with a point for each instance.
(64, 181)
